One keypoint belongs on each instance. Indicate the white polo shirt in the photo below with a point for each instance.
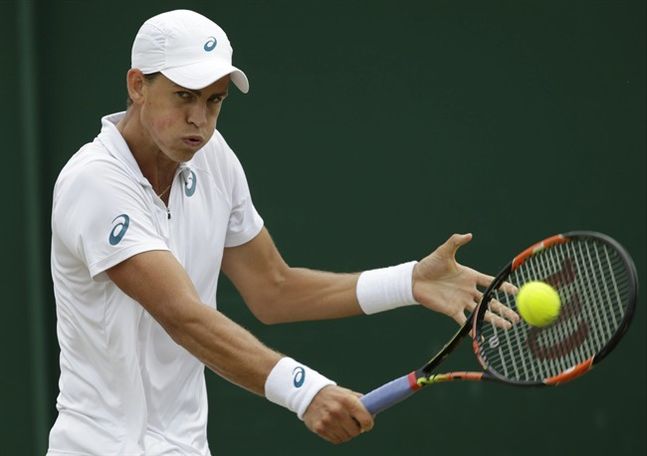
(126, 388)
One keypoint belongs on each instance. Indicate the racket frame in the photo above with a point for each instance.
(584, 366)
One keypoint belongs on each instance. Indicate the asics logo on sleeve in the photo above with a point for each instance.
(189, 184)
(119, 230)
(210, 45)
(298, 376)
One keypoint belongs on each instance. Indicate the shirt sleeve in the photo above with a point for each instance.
(103, 217)
(244, 221)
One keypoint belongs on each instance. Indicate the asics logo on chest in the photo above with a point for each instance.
(119, 230)
(190, 184)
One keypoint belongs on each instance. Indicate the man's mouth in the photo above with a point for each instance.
(193, 141)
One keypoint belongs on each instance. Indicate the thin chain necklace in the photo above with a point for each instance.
(165, 190)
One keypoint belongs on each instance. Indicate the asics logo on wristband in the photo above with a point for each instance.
(298, 376)
(119, 230)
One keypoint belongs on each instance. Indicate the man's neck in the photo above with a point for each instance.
(153, 163)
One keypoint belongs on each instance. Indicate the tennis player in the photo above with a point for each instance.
(144, 219)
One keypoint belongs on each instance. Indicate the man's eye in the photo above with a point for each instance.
(184, 95)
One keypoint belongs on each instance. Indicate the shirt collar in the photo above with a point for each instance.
(116, 145)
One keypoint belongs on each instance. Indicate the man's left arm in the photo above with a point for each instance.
(278, 293)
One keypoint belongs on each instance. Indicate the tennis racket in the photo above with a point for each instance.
(596, 280)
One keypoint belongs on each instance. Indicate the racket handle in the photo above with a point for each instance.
(390, 393)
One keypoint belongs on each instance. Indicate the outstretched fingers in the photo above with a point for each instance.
(484, 280)
(503, 310)
(456, 241)
(498, 320)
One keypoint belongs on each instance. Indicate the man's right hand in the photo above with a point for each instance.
(337, 415)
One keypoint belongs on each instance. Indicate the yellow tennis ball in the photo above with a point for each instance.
(538, 303)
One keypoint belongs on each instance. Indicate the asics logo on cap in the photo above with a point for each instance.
(119, 230)
(298, 376)
(210, 45)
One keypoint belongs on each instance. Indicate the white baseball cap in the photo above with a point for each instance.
(186, 47)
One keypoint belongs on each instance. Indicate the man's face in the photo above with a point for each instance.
(180, 121)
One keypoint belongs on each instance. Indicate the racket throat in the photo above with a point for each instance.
(425, 379)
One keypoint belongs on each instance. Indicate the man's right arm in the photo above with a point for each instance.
(160, 284)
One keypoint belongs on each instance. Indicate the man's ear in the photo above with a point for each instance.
(135, 82)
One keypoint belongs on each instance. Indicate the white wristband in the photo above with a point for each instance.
(386, 288)
(294, 385)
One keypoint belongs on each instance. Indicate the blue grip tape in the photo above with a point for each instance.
(387, 395)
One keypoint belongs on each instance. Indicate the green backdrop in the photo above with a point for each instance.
(372, 131)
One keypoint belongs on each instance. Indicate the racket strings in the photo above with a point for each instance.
(593, 283)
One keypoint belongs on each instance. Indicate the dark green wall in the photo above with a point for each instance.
(372, 131)
(17, 417)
